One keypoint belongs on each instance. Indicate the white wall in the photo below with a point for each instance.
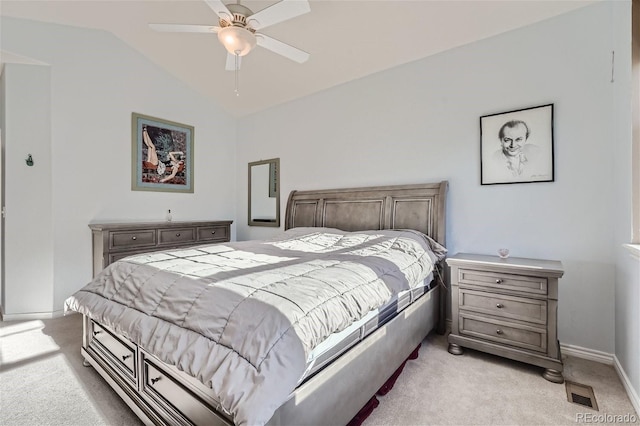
(420, 123)
(627, 295)
(96, 83)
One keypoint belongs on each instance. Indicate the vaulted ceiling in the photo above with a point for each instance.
(347, 39)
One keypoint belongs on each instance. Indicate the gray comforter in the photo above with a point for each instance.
(242, 317)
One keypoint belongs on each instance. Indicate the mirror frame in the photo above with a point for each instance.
(274, 184)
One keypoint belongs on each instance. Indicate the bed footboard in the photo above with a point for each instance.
(338, 392)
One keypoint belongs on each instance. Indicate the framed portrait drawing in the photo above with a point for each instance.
(162, 155)
(517, 146)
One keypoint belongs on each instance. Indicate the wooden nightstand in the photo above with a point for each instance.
(507, 307)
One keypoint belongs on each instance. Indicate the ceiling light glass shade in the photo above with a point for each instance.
(237, 40)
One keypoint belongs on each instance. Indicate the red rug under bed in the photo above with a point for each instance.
(386, 387)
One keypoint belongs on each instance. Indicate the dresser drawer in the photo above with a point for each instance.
(520, 335)
(184, 405)
(117, 256)
(176, 236)
(131, 239)
(111, 347)
(121, 255)
(513, 307)
(213, 233)
(495, 280)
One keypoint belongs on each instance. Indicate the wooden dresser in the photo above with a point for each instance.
(113, 241)
(507, 307)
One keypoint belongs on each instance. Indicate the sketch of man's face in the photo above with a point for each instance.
(513, 139)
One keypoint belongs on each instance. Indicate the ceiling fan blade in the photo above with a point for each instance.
(231, 62)
(281, 48)
(281, 11)
(181, 28)
(220, 9)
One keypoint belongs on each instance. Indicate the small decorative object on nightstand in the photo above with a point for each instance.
(507, 307)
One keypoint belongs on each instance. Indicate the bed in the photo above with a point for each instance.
(155, 357)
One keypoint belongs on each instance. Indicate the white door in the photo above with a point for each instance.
(1, 223)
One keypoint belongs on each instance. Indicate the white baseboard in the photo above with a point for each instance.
(633, 395)
(584, 353)
(609, 359)
(601, 357)
(33, 316)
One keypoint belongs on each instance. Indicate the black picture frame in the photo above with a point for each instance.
(517, 146)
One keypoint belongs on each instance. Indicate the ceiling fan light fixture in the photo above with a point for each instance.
(237, 40)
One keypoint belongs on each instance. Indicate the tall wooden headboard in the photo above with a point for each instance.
(420, 207)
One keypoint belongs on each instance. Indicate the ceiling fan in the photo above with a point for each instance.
(239, 28)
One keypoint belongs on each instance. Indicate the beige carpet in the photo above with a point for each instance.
(43, 382)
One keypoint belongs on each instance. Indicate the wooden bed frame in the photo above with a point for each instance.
(161, 394)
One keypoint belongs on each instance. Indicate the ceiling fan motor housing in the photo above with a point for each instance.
(239, 18)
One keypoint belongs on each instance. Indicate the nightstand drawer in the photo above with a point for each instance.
(127, 240)
(213, 233)
(176, 236)
(494, 280)
(513, 307)
(520, 335)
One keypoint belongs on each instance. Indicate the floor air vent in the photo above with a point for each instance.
(581, 394)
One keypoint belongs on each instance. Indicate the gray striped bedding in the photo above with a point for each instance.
(243, 317)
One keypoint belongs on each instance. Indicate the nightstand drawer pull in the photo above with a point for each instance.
(498, 331)
(124, 357)
(153, 381)
(213, 232)
(134, 238)
(499, 305)
(177, 234)
(499, 281)
(95, 333)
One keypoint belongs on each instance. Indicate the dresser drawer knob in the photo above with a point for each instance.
(177, 234)
(153, 381)
(499, 305)
(95, 333)
(213, 232)
(498, 331)
(134, 238)
(124, 357)
(499, 281)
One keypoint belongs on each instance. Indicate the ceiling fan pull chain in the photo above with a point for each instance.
(237, 59)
